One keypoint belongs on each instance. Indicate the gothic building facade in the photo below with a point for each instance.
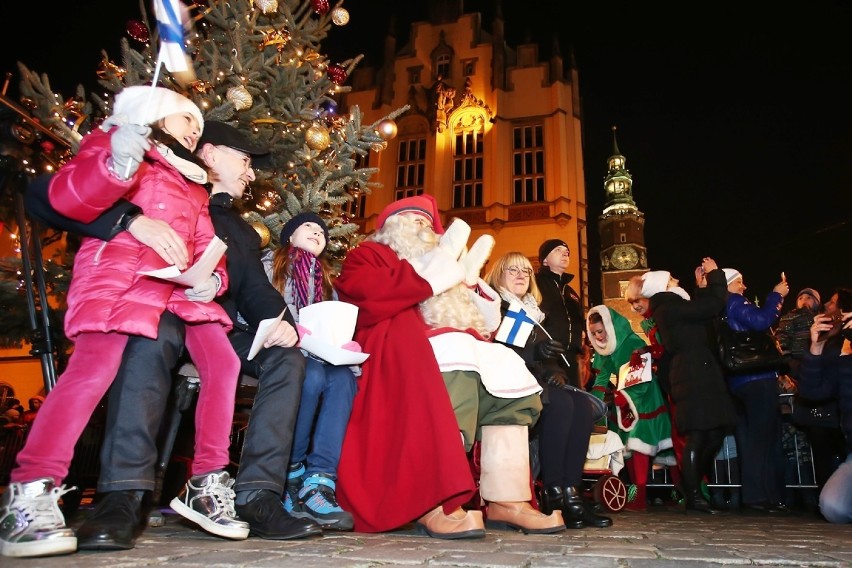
(492, 131)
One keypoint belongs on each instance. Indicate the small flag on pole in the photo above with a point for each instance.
(516, 326)
(170, 15)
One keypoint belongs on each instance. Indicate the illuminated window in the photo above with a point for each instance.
(467, 170)
(528, 163)
(410, 168)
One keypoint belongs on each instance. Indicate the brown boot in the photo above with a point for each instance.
(458, 524)
(523, 517)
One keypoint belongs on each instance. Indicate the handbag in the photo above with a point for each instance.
(824, 414)
(599, 408)
(747, 351)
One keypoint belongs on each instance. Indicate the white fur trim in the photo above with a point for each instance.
(635, 412)
(655, 282)
(611, 341)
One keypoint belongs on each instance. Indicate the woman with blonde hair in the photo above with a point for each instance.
(565, 426)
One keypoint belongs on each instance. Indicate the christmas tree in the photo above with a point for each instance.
(257, 65)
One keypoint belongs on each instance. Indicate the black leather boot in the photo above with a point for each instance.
(695, 501)
(115, 524)
(576, 509)
(691, 471)
(553, 499)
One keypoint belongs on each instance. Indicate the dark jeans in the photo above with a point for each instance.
(280, 372)
(139, 396)
(758, 436)
(324, 411)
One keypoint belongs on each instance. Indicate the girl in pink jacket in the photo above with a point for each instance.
(148, 160)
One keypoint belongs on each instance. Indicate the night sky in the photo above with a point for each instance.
(735, 122)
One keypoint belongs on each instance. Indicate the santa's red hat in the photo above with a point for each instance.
(424, 205)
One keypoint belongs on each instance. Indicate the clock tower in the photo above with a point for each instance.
(622, 236)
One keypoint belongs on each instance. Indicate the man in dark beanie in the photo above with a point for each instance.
(561, 303)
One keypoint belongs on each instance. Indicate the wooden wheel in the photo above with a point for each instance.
(610, 492)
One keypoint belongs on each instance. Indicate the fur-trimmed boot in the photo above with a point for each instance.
(504, 482)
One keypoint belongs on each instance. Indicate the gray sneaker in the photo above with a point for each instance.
(209, 502)
(31, 523)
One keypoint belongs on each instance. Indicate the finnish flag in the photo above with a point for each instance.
(170, 27)
(516, 326)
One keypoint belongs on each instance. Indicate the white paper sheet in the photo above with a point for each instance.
(331, 325)
(264, 328)
(198, 272)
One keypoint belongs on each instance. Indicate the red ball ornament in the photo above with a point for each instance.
(337, 73)
(47, 146)
(321, 7)
(137, 31)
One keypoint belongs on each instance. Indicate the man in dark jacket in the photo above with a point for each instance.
(564, 319)
(138, 396)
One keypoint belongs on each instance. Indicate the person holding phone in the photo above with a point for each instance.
(758, 431)
(828, 374)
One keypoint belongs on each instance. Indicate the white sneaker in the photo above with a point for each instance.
(31, 523)
(210, 504)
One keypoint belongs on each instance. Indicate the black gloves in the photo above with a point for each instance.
(549, 349)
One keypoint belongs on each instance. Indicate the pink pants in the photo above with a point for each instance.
(91, 369)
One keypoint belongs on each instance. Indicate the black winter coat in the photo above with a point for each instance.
(249, 291)
(564, 319)
(698, 389)
(826, 377)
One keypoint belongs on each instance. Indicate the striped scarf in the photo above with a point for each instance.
(306, 276)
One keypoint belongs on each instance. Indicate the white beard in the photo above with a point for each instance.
(405, 237)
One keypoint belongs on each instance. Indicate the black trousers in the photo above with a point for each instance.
(758, 436)
(564, 430)
(139, 397)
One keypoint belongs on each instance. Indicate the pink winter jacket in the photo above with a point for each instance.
(106, 293)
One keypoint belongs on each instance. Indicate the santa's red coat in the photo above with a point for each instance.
(402, 455)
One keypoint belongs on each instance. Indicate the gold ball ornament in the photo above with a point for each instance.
(387, 129)
(267, 6)
(340, 16)
(240, 97)
(263, 232)
(317, 137)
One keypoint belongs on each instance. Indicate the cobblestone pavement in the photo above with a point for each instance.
(663, 537)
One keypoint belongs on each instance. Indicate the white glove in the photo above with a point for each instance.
(454, 239)
(129, 143)
(487, 302)
(476, 257)
(439, 268)
(205, 291)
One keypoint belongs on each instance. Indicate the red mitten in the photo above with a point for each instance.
(351, 346)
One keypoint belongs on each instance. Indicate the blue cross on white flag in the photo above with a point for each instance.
(516, 326)
(170, 26)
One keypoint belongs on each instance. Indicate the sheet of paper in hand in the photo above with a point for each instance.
(628, 376)
(328, 330)
(198, 272)
(264, 328)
